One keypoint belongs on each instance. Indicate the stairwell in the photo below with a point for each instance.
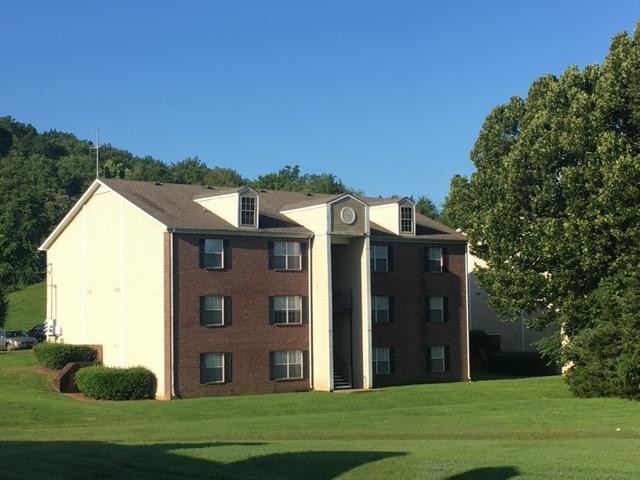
(339, 382)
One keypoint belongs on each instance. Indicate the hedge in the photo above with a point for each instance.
(110, 383)
(520, 363)
(57, 355)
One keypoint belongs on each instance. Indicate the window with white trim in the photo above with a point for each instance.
(380, 309)
(380, 258)
(381, 361)
(435, 260)
(212, 367)
(211, 310)
(437, 360)
(406, 219)
(212, 253)
(436, 312)
(286, 255)
(286, 365)
(286, 309)
(248, 211)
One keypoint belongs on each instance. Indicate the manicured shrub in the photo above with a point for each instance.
(520, 363)
(109, 383)
(57, 355)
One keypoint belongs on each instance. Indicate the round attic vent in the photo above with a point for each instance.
(347, 215)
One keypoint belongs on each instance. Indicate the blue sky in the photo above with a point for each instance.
(389, 96)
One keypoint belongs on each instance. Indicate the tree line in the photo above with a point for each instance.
(43, 174)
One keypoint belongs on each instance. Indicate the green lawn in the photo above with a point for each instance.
(26, 307)
(501, 429)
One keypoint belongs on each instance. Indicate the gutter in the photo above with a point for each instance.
(468, 322)
(239, 232)
(172, 315)
(310, 308)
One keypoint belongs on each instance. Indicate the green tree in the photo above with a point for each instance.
(554, 203)
(4, 306)
(426, 207)
(291, 179)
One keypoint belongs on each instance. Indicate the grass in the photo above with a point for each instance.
(26, 307)
(498, 430)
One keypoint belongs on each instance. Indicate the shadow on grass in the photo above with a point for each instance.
(93, 460)
(487, 473)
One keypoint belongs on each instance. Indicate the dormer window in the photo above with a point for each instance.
(406, 219)
(247, 211)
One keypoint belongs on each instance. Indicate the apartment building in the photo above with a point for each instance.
(228, 291)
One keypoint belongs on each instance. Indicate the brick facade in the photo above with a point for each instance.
(409, 333)
(249, 282)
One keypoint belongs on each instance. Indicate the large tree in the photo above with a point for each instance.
(553, 206)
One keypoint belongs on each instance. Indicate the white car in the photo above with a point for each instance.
(15, 340)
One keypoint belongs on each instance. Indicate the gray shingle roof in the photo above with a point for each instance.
(173, 205)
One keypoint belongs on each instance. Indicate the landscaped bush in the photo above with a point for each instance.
(520, 363)
(108, 383)
(57, 355)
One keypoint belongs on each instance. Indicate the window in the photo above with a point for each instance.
(212, 368)
(434, 261)
(286, 255)
(436, 309)
(285, 309)
(381, 309)
(286, 365)
(380, 258)
(212, 310)
(381, 361)
(212, 253)
(438, 358)
(248, 211)
(406, 219)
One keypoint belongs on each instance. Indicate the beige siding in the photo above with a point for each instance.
(365, 275)
(224, 206)
(107, 267)
(358, 227)
(322, 317)
(387, 216)
(314, 218)
(514, 335)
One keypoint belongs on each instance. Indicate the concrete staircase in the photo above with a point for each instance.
(339, 382)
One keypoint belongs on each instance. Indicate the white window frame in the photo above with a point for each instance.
(203, 309)
(210, 241)
(376, 254)
(403, 209)
(291, 361)
(289, 308)
(378, 301)
(221, 367)
(435, 300)
(243, 210)
(436, 255)
(381, 355)
(289, 254)
(440, 358)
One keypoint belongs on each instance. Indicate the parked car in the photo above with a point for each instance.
(15, 340)
(38, 332)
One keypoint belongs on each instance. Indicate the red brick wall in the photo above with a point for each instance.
(409, 334)
(249, 282)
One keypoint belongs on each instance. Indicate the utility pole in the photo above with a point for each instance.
(97, 148)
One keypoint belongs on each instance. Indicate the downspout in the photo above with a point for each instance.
(309, 307)
(172, 316)
(468, 322)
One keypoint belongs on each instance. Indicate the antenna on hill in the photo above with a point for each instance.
(97, 148)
